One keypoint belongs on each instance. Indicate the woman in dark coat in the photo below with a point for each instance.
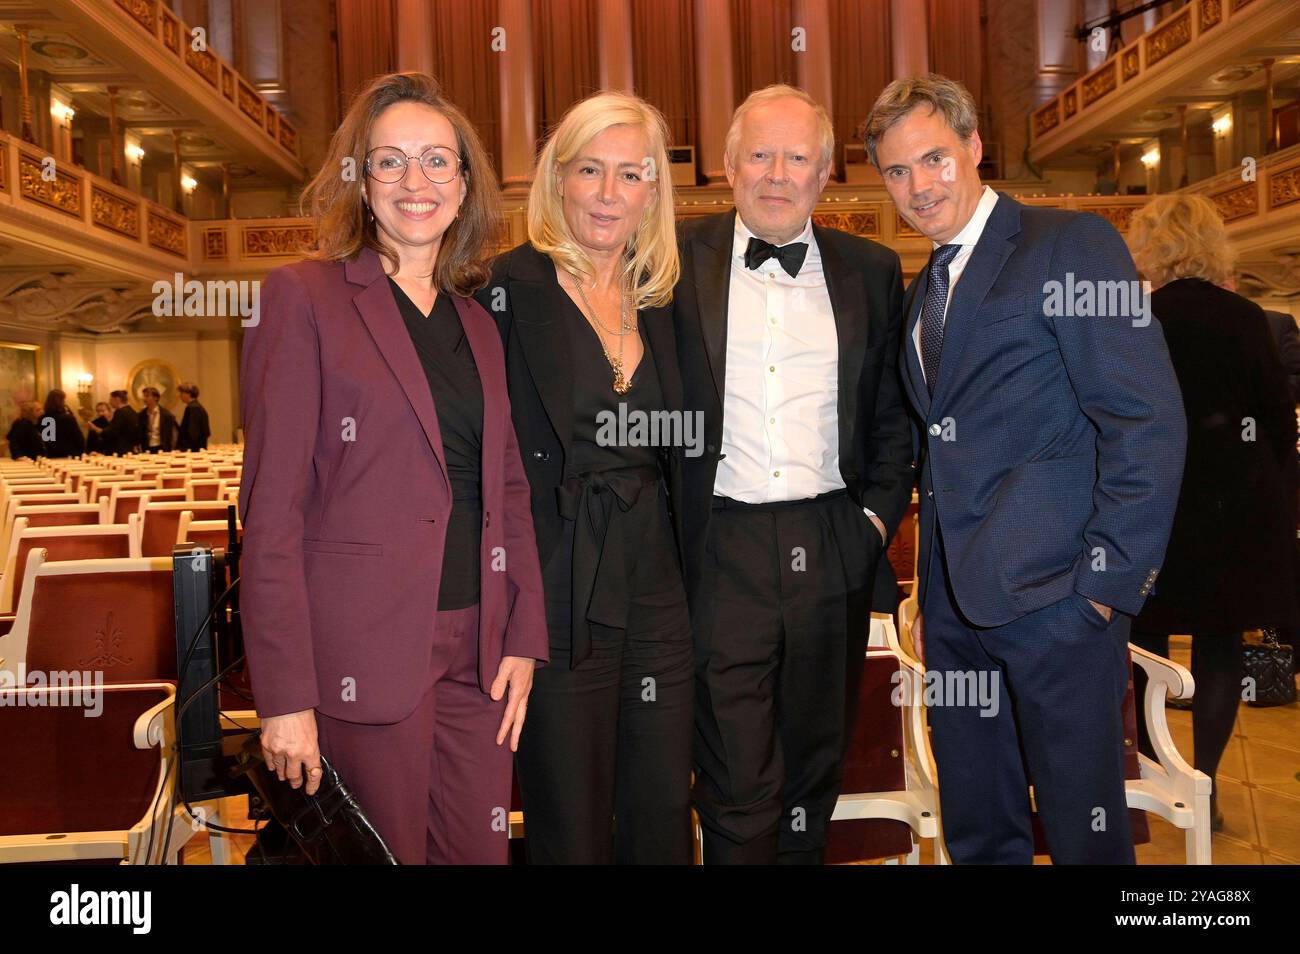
(604, 760)
(68, 440)
(24, 435)
(1230, 564)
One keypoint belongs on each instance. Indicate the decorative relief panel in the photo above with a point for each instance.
(1174, 35)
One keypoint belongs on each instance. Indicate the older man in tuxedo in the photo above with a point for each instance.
(1050, 433)
(787, 334)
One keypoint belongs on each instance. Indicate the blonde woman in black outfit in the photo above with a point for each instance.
(604, 760)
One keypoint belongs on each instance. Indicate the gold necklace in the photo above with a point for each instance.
(621, 384)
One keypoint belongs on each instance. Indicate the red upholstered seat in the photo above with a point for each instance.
(108, 541)
(65, 772)
(874, 763)
(118, 621)
(161, 521)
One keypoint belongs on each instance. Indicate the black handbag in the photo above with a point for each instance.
(1269, 666)
(329, 827)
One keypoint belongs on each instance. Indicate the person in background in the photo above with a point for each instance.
(157, 424)
(67, 439)
(1230, 565)
(123, 431)
(96, 441)
(25, 435)
(194, 430)
(1286, 335)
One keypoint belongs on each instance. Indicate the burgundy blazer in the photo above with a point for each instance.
(345, 500)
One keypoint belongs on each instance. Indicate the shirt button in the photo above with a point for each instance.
(935, 430)
(771, 274)
(930, 494)
(772, 320)
(771, 367)
(776, 473)
(771, 420)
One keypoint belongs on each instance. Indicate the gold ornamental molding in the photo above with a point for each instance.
(288, 136)
(228, 83)
(203, 63)
(214, 244)
(1117, 215)
(249, 103)
(1163, 40)
(1071, 101)
(267, 241)
(1130, 64)
(62, 193)
(1237, 202)
(166, 234)
(902, 229)
(1211, 13)
(143, 12)
(1047, 118)
(1100, 82)
(171, 32)
(114, 213)
(1284, 187)
(865, 223)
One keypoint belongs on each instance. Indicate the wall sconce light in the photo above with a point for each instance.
(1222, 125)
(62, 112)
(84, 381)
(135, 153)
(189, 183)
(1151, 157)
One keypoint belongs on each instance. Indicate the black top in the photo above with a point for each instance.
(24, 439)
(598, 443)
(448, 363)
(68, 439)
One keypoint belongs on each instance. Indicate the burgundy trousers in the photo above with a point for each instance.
(436, 785)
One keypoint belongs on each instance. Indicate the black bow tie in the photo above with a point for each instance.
(790, 256)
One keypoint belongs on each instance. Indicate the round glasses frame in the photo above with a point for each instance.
(453, 171)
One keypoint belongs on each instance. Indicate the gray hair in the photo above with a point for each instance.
(900, 97)
(769, 94)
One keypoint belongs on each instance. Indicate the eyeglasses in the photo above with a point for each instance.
(439, 164)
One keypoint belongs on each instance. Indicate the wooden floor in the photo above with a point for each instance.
(1259, 794)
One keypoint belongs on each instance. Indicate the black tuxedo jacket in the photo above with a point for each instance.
(864, 280)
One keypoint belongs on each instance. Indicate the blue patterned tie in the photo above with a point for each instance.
(932, 310)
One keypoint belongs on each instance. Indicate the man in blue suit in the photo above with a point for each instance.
(1049, 433)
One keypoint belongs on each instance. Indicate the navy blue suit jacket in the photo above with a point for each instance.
(1052, 450)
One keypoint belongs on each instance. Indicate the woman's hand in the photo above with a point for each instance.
(290, 747)
(516, 672)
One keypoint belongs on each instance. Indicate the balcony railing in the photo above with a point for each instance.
(1153, 65)
(170, 33)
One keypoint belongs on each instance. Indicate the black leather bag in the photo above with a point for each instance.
(1269, 666)
(329, 827)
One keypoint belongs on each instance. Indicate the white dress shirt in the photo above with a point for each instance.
(780, 418)
(966, 238)
(155, 426)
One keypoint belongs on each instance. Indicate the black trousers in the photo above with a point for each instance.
(781, 616)
(605, 757)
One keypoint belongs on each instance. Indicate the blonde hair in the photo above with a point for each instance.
(1180, 236)
(650, 265)
(770, 94)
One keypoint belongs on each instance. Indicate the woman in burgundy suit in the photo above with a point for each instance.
(392, 600)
